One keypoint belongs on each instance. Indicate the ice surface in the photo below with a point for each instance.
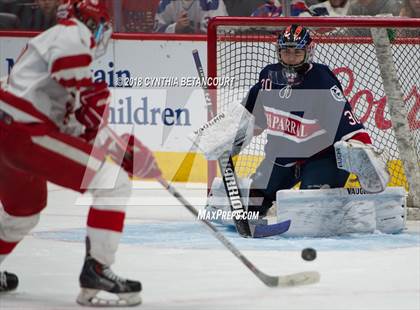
(182, 266)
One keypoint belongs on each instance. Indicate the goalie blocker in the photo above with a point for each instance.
(228, 131)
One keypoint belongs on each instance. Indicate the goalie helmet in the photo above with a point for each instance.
(94, 14)
(296, 37)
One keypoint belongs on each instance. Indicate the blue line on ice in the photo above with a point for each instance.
(190, 235)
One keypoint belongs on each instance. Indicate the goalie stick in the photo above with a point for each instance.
(294, 279)
(230, 181)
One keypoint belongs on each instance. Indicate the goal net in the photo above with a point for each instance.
(375, 59)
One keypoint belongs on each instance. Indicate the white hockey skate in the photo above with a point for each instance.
(360, 159)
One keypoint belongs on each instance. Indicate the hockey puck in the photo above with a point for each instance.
(308, 254)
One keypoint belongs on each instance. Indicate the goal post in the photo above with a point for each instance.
(376, 60)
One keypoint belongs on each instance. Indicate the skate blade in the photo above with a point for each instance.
(88, 297)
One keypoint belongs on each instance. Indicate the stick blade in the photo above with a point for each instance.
(300, 278)
(261, 231)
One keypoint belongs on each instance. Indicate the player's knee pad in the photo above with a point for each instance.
(15, 228)
(111, 186)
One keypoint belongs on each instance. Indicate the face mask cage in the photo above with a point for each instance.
(101, 32)
(305, 43)
(100, 28)
(102, 35)
(306, 60)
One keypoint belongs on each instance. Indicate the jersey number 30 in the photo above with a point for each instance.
(352, 119)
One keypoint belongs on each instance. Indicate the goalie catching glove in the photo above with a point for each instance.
(360, 159)
(227, 131)
(135, 158)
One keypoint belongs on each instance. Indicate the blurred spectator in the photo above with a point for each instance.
(313, 2)
(139, 16)
(133, 15)
(410, 8)
(8, 6)
(241, 7)
(16, 7)
(187, 16)
(329, 8)
(41, 16)
(374, 7)
(273, 8)
(8, 21)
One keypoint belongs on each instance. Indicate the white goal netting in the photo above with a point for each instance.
(240, 47)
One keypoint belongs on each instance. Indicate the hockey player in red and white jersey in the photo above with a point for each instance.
(49, 108)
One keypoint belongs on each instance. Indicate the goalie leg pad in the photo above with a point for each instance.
(218, 202)
(329, 212)
(313, 213)
(391, 212)
(359, 216)
(361, 160)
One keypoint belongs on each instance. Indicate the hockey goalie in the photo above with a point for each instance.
(52, 121)
(314, 140)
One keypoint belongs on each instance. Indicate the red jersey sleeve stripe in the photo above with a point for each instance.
(67, 22)
(71, 62)
(69, 83)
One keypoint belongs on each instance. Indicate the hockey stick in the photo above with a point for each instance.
(230, 181)
(295, 279)
(300, 278)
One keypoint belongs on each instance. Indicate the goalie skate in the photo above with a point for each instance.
(360, 159)
(8, 281)
(96, 278)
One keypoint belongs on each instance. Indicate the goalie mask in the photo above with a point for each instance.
(294, 47)
(94, 14)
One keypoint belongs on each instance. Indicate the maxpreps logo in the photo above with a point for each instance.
(132, 110)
